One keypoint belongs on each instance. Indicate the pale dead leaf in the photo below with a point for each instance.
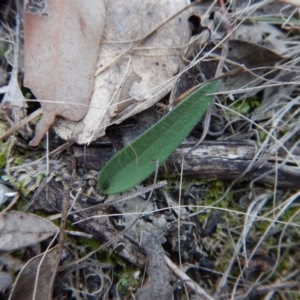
(261, 33)
(3, 89)
(5, 280)
(5, 193)
(133, 73)
(19, 229)
(61, 46)
(14, 97)
(40, 272)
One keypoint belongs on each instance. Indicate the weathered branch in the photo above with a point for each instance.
(229, 160)
(225, 160)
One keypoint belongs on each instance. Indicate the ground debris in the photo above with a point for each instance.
(157, 285)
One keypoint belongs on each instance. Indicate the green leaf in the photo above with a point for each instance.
(137, 160)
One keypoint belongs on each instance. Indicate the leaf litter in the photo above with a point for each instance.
(245, 254)
(61, 48)
(134, 70)
(19, 230)
(35, 281)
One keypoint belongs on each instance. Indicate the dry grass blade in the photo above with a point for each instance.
(192, 285)
(21, 124)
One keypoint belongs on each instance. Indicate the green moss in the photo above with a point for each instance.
(3, 126)
(4, 148)
(18, 253)
(28, 95)
(215, 191)
(21, 203)
(127, 281)
(262, 135)
(43, 214)
(124, 273)
(92, 244)
(244, 106)
(18, 161)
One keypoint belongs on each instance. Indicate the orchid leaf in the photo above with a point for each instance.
(138, 160)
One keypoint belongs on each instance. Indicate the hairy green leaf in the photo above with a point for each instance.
(138, 160)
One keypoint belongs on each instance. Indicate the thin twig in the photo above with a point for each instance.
(189, 282)
(21, 124)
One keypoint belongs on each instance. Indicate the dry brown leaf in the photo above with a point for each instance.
(255, 61)
(39, 272)
(258, 59)
(251, 55)
(133, 73)
(19, 229)
(61, 46)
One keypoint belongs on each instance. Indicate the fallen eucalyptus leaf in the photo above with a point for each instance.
(139, 159)
(62, 40)
(260, 60)
(251, 55)
(40, 272)
(134, 72)
(19, 229)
